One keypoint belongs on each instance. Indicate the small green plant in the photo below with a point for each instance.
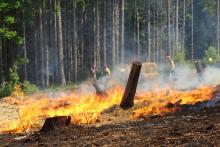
(211, 52)
(180, 56)
(29, 88)
(8, 88)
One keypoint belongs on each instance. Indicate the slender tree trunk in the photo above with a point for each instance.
(122, 19)
(184, 22)
(104, 32)
(97, 35)
(138, 35)
(60, 46)
(218, 44)
(24, 42)
(149, 30)
(113, 34)
(177, 24)
(134, 27)
(42, 77)
(1, 69)
(192, 37)
(168, 19)
(46, 48)
(75, 47)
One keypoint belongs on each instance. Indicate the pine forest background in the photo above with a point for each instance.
(62, 39)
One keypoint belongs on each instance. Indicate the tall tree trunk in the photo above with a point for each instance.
(46, 48)
(138, 35)
(60, 46)
(177, 24)
(122, 19)
(104, 32)
(42, 77)
(24, 42)
(75, 47)
(113, 34)
(149, 30)
(218, 29)
(184, 23)
(97, 35)
(134, 27)
(168, 19)
(192, 37)
(1, 66)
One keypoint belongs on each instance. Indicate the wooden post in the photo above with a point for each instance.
(128, 98)
(55, 122)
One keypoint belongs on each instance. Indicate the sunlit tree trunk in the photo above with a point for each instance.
(113, 34)
(184, 23)
(192, 36)
(24, 42)
(42, 73)
(46, 48)
(134, 27)
(60, 46)
(122, 19)
(149, 30)
(104, 32)
(168, 25)
(138, 35)
(218, 44)
(177, 24)
(97, 36)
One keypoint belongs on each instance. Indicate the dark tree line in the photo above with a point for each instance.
(63, 39)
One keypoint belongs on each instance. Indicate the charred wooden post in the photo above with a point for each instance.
(128, 98)
(55, 123)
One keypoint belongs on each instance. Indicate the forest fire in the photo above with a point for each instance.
(86, 109)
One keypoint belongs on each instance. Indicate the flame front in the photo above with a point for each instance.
(86, 109)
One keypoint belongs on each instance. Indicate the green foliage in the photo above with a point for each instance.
(8, 88)
(210, 7)
(7, 30)
(29, 88)
(180, 57)
(211, 52)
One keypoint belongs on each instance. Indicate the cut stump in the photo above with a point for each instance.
(55, 123)
(128, 98)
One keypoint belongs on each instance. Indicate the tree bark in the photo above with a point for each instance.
(192, 36)
(169, 35)
(122, 21)
(218, 29)
(149, 30)
(128, 98)
(60, 46)
(1, 66)
(42, 73)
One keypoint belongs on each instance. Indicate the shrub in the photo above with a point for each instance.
(29, 88)
(7, 88)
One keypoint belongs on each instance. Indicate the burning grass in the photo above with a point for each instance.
(87, 108)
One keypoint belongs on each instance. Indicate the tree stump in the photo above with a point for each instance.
(128, 98)
(55, 123)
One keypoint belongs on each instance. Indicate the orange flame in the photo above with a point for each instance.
(86, 109)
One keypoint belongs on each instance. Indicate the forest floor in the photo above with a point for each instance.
(188, 127)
